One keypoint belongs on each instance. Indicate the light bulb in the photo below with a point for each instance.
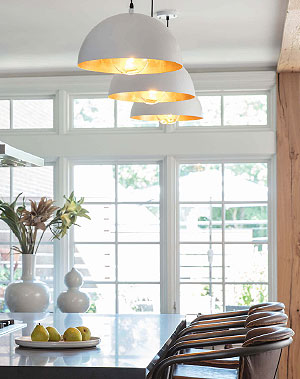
(130, 66)
(168, 119)
(152, 97)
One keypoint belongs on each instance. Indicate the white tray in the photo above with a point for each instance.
(26, 342)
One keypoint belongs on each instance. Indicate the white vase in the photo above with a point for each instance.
(27, 295)
(73, 300)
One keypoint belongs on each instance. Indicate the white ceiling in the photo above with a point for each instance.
(44, 36)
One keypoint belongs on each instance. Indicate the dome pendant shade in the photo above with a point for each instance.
(152, 89)
(168, 113)
(130, 43)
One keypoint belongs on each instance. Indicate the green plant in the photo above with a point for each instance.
(25, 224)
(2, 305)
(206, 291)
(92, 308)
(262, 296)
(246, 296)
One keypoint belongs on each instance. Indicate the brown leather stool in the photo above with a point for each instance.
(258, 358)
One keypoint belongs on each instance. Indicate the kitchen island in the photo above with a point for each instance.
(130, 344)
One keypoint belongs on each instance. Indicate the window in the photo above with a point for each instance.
(93, 113)
(104, 113)
(223, 208)
(223, 235)
(118, 251)
(245, 110)
(232, 110)
(223, 110)
(26, 114)
(4, 114)
(32, 183)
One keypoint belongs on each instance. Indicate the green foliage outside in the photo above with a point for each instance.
(254, 172)
(131, 176)
(138, 177)
(247, 296)
(206, 291)
(94, 297)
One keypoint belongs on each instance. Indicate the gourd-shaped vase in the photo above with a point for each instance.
(73, 300)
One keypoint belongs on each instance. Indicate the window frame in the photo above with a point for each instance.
(170, 143)
(271, 202)
(54, 243)
(271, 97)
(236, 128)
(163, 267)
(114, 129)
(13, 131)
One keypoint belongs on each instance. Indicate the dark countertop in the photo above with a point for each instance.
(128, 345)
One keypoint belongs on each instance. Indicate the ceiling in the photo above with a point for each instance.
(43, 37)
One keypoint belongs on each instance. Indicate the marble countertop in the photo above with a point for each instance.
(128, 345)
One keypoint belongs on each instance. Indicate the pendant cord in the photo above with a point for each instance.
(131, 7)
(168, 18)
(152, 1)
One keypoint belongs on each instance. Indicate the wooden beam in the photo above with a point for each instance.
(289, 60)
(288, 213)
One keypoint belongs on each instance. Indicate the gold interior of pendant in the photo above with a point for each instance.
(142, 96)
(117, 65)
(152, 117)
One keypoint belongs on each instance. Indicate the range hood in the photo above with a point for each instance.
(12, 157)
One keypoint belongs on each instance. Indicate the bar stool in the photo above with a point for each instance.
(258, 358)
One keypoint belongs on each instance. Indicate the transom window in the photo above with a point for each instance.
(26, 113)
(218, 110)
(104, 113)
(118, 251)
(232, 110)
(223, 235)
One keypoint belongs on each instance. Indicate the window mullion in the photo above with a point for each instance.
(64, 248)
(11, 113)
(11, 255)
(170, 234)
(223, 241)
(222, 110)
(168, 271)
(116, 240)
(115, 114)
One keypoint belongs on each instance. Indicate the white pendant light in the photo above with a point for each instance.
(152, 89)
(130, 43)
(168, 113)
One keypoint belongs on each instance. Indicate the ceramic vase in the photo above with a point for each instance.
(27, 295)
(73, 300)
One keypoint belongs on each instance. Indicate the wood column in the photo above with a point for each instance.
(288, 213)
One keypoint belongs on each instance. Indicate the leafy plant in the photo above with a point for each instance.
(92, 308)
(246, 295)
(25, 223)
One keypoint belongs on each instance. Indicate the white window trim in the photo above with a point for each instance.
(272, 252)
(55, 243)
(169, 144)
(163, 266)
(30, 131)
(65, 88)
(114, 129)
(271, 95)
(170, 283)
